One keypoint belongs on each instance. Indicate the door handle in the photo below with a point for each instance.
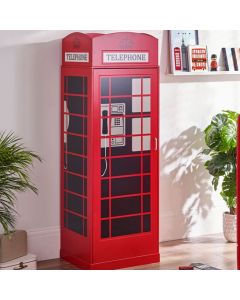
(156, 143)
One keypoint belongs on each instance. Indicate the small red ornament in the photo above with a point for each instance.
(214, 64)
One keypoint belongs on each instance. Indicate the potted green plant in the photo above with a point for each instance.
(15, 163)
(221, 140)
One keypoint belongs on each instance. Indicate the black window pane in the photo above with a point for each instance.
(74, 144)
(104, 229)
(146, 184)
(121, 86)
(75, 223)
(104, 167)
(85, 166)
(85, 187)
(105, 100)
(85, 146)
(85, 207)
(75, 105)
(104, 87)
(104, 208)
(85, 82)
(129, 127)
(75, 203)
(146, 164)
(85, 126)
(75, 163)
(125, 206)
(124, 166)
(85, 105)
(75, 184)
(125, 186)
(75, 125)
(65, 180)
(125, 226)
(65, 200)
(146, 223)
(104, 188)
(75, 85)
(146, 203)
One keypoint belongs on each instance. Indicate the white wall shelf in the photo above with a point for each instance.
(205, 73)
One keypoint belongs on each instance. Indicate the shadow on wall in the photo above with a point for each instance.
(185, 184)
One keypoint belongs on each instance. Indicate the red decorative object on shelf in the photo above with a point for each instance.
(197, 58)
(177, 59)
(214, 64)
(109, 150)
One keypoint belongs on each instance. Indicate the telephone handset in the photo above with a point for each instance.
(118, 126)
(104, 122)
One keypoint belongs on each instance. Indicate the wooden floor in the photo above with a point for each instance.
(212, 250)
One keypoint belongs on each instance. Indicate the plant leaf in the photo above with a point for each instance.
(217, 164)
(219, 120)
(213, 138)
(15, 163)
(230, 201)
(215, 183)
(231, 114)
(221, 138)
(229, 185)
(229, 136)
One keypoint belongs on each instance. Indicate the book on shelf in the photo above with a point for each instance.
(236, 58)
(228, 59)
(197, 58)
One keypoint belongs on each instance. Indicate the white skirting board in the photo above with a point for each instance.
(44, 242)
(174, 226)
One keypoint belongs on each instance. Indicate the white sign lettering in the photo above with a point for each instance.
(76, 57)
(125, 57)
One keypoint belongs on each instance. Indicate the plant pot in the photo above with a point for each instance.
(230, 227)
(13, 246)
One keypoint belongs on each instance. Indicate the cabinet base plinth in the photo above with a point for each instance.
(114, 264)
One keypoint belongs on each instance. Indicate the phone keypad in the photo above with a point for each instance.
(117, 122)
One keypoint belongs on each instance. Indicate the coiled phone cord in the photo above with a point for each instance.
(105, 155)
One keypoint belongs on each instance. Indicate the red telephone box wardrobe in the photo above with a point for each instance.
(109, 142)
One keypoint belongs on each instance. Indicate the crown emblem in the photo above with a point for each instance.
(76, 43)
(126, 43)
